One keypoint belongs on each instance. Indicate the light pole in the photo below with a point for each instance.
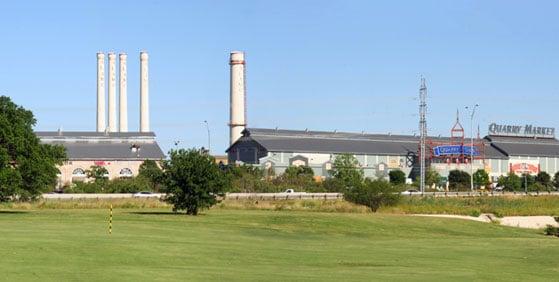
(209, 140)
(473, 111)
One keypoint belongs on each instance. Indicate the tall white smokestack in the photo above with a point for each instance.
(144, 93)
(237, 121)
(112, 92)
(101, 92)
(122, 92)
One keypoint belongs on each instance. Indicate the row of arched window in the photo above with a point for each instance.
(79, 172)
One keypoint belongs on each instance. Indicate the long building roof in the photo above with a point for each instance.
(342, 142)
(526, 146)
(84, 145)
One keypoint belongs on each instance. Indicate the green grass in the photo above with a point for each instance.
(500, 206)
(241, 245)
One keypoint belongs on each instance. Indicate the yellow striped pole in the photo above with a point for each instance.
(111, 219)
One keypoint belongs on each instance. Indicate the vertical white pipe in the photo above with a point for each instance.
(144, 93)
(122, 92)
(112, 92)
(101, 92)
(237, 107)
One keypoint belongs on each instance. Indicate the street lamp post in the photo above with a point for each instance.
(209, 140)
(473, 108)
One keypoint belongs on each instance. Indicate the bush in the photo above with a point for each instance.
(459, 180)
(551, 230)
(481, 178)
(397, 177)
(373, 194)
(129, 185)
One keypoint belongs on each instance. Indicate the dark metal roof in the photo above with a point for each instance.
(342, 142)
(89, 134)
(523, 146)
(111, 151)
(87, 145)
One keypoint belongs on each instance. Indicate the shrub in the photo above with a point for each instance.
(373, 194)
(459, 180)
(129, 185)
(481, 178)
(551, 230)
(397, 177)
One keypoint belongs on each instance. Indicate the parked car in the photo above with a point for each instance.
(410, 192)
(144, 194)
(289, 191)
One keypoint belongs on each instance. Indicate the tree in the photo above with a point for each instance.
(373, 194)
(27, 167)
(193, 180)
(556, 180)
(511, 182)
(346, 170)
(397, 177)
(481, 178)
(432, 177)
(151, 171)
(299, 177)
(99, 174)
(544, 179)
(458, 180)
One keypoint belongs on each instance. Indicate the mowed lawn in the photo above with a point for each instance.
(243, 245)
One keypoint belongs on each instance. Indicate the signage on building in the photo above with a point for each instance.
(527, 130)
(525, 167)
(455, 150)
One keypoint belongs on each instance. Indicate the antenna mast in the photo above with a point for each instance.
(423, 132)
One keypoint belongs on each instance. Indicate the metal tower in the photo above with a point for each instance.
(422, 132)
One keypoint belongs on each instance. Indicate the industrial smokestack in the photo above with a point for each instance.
(144, 93)
(101, 92)
(122, 92)
(237, 107)
(112, 92)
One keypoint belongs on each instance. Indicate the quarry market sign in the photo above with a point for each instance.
(521, 130)
(446, 150)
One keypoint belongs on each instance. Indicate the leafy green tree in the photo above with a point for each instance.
(544, 179)
(432, 177)
(347, 171)
(297, 177)
(373, 194)
(152, 172)
(27, 167)
(397, 177)
(248, 179)
(459, 180)
(556, 180)
(512, 182)
(193, 180)
(99, 174)
(481, 178)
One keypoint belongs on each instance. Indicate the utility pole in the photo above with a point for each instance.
(473, 108)
(422, 133)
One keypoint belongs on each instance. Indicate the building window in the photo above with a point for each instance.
(125, 172)
(78, 172)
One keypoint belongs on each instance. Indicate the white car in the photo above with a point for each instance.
(144, 194)
(410, 192)
(289, 191)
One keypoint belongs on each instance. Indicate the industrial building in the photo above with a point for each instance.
(113, 147)
(506, 148)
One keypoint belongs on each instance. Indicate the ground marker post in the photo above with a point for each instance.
(110, 219)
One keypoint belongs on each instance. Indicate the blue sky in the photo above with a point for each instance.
(321, 65)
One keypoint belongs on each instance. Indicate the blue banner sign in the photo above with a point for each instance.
(455, 150)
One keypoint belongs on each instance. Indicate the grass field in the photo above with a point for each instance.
(152, 244)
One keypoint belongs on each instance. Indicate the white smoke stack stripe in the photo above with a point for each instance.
(122, 91)
(237, 118)
(144, 93)
(101, 92)
(112, 92)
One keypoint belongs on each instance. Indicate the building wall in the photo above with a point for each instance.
(374, 166)
(114, 168)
